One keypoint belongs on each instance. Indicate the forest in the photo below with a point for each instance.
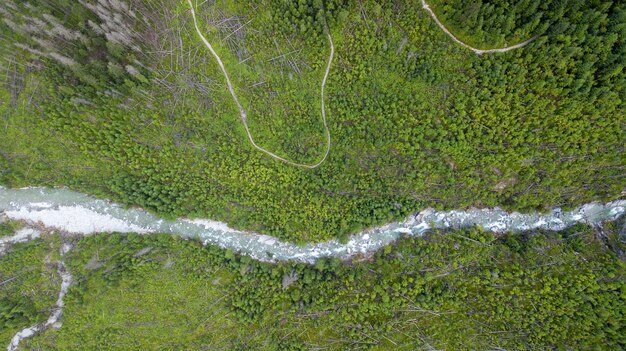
(120, 99)
(452, 290)
(92, 99)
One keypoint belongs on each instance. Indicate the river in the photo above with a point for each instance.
(79, 213)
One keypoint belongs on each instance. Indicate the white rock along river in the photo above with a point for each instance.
(79, 213)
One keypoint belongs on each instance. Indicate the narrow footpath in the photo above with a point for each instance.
(242, 112)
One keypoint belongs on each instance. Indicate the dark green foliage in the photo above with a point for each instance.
(17, 313)
(308, 17)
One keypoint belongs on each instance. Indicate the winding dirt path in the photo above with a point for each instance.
(57, 312)
(475, 50)
(242, 112)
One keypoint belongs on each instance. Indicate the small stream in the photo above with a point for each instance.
(57, 310)
(79, 213)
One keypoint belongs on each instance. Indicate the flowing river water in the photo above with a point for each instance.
(79, 213)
